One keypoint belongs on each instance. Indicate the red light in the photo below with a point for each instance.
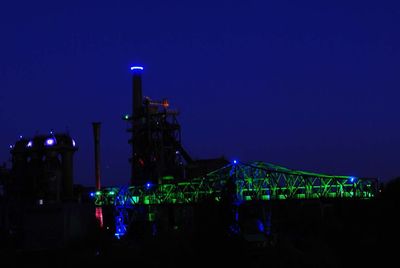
(99, 216)
(141, 162)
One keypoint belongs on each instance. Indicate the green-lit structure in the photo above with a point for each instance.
(157, 152)
(256, 181)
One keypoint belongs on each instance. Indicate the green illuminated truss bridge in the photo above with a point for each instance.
(241, 182)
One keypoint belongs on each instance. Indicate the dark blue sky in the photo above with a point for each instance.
(307, 85)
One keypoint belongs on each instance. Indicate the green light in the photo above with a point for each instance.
(126, 117)
(152, 216)
(260, 182)
(265, 197)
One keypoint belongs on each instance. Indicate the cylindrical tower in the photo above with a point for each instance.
(67, 173)
(96, 134)
(66, 147)
(137, 113)
(137, 90)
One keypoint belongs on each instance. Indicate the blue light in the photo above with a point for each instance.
(148, 185)
(135, 68)
(29, 144)
(92, 194)
(50, 142)
(352, 179)
(120, 227)
(260, 226)
(235, 161)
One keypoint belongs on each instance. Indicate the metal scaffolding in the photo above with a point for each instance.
(256, 181)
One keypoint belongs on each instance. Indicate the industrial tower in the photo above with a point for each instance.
(155, 138)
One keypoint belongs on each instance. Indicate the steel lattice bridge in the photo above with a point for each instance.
(255, 181)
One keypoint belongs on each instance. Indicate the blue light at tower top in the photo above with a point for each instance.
(136, 68)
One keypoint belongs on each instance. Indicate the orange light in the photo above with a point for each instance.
(165, 103)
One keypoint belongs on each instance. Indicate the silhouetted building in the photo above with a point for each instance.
(42, 168)
(156, 138)
(41, 210)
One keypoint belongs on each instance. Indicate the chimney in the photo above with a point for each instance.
(96, 134)
(137, 112)
(137, 90)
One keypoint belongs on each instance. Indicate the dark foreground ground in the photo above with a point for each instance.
(215, 255)
(346, 234)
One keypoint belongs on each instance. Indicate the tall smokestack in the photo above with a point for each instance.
(96, 134)
(137, 112)
(137, 90)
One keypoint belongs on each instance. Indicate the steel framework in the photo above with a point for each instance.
(254, 181)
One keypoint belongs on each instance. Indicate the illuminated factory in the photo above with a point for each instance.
(168, 190)
(164, 174)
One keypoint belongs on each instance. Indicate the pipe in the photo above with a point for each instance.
(96, 134)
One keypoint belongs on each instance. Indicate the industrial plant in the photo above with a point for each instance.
(173, 204)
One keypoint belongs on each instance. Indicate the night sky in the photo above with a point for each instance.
(307, 85)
